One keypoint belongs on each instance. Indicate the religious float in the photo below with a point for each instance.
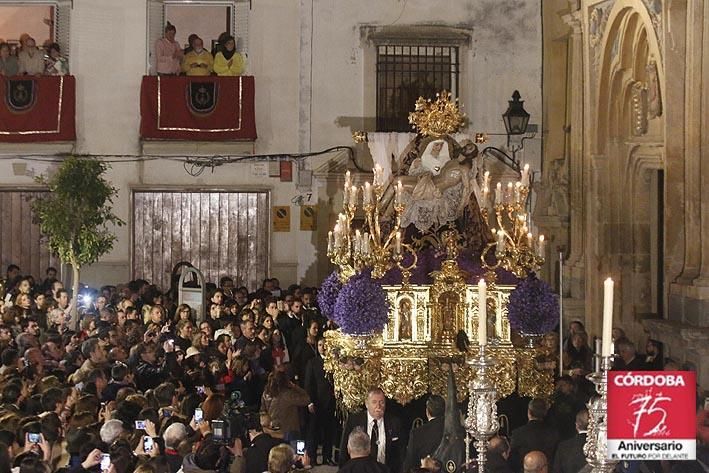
(435, 274)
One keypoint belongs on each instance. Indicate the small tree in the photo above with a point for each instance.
(75, 216)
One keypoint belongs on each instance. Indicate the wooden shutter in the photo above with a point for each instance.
(219, 232)
(62, 26)
(240, 25)
(21, 242)
(155, 29)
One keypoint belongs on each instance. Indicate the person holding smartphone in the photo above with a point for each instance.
(148, 373)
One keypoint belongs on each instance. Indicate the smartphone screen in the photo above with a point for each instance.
(34, 437)
(198, 415)
(105, 462)
(140, 425)
(218, 429)
(147, 444)
(300, 447)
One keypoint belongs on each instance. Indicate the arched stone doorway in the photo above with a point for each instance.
(624, 164)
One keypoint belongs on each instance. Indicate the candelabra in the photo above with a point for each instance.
(482, 422)
(596, 447)
(372, 246)
(516, 250)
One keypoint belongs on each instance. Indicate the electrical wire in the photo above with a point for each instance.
(193, 165)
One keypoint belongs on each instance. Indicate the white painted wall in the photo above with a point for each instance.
(505, 54)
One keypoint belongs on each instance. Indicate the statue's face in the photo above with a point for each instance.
(436, 149)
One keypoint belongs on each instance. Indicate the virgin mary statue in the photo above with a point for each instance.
(426, 205)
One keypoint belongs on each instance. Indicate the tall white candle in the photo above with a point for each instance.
(353, 197)
(541, 246)
(607, 338)
(367, 193)
(397, 244)
(525, 175)
(378, 174)
(348, 179)
(510, 193)
(482, 312)
(399, 191)
(498, 320)
(498, 193)
(330, 241)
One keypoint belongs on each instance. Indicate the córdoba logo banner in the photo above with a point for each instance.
(651, 415)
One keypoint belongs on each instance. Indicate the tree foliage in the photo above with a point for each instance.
(75, 215)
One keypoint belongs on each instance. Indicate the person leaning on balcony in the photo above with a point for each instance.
(8, 63)
(168, 53)
(31, 59)
(199, 61)
(229, 62)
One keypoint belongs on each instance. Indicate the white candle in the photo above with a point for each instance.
(607, 317)
(525, 175)
(397, 244)
(486, 179)
(378, 171)
(541, 246)
(399, 190)
(529, 241)
(357, 242)
(498, 193)
(353, 197)
(338, 235)
(330, 241)
(348, 179)
(498, 320)
(365, 244)
(482, 312)
(486, 192)
(367, 193)
(518, 194)
(501, 241)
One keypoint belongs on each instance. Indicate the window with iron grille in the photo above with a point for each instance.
(407, 72)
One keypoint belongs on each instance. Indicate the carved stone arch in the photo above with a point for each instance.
(622, 167)
(629, 31)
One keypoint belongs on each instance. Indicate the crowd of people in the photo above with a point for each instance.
(126, 379)
(194, 60)
(28, 59)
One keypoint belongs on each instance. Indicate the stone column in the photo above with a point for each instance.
(575, 261)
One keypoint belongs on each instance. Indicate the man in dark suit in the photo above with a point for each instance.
(498, 451)
(425, 439)
(569, 455)
(384, 432)
(359, 451)
(322, 424)
(256, 456)
(535, 435)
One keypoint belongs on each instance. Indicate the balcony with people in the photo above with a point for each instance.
(194, 94)
(38, 92)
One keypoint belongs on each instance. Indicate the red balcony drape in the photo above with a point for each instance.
(197, 108)
(37, 108)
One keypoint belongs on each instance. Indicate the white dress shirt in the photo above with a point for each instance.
(382, 444)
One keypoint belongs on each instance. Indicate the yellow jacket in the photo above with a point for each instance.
(204, 61)
(223, 68)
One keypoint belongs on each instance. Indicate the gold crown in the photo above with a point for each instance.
(437, 118)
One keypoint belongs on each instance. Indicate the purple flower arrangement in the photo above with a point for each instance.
(327, 295)
(533, 307)
(362, 307)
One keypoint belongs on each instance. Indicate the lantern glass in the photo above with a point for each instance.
(516, 117)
